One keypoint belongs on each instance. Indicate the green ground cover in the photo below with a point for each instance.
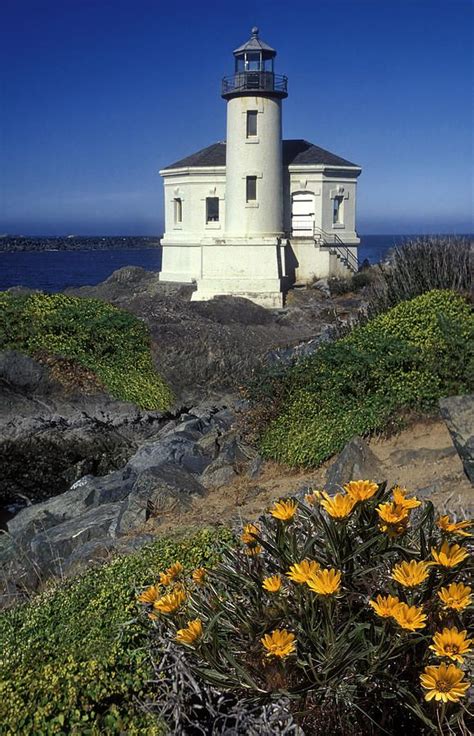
(108, 341)
(74, 661)
(402, 360)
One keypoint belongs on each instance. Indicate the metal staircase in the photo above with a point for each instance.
(336, 247)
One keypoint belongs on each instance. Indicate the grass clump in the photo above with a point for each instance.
(104, 339)
(355, 607)
(404, 359)
(73, 661)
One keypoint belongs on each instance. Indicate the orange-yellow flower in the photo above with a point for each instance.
(339, 506)
(409, 617)
(400, 499)
(444, 683)
(249, 534)
(171, 573)
(454, 527)
(361, 490)
(451, 643)
(149, 595)
(253, 551)
(272, 584)
(325, 582)
(199, 575)
(449, 556)
(280, 643)
(284, 510)
(410, 574)
(300, 572)
(455, 596)
(171, 602)
(384, 606)
(391, 513)
(192, 632)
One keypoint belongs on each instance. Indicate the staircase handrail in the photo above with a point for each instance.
(339, 247)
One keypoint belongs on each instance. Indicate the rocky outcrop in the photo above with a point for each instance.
(50, 437)
(185, 457)
(458, 413)
(355, 462)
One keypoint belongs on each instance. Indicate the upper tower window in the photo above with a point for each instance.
(337, 210)
(212, 209)
(251, 193)
(251, 123)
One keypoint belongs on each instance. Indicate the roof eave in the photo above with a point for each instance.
(193, 170)
(322, 167)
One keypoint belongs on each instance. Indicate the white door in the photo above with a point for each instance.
(302, 214)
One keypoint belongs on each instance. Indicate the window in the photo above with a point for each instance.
(251, 188)
(251, 123)
(337, 211)
(212, 209)
(178, 211)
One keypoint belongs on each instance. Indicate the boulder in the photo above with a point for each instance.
(355, 462)
(458, 414)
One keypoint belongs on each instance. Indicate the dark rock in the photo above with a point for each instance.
(355, 462)
(458, 413)
(406, 457)
(218, 473)
(255, 468)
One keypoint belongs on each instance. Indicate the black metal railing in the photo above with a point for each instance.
(258, 81)
(337, 247)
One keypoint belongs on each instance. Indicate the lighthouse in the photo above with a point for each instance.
(254, 214)
(254, 182)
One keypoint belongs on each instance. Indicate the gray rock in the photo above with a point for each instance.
(458, 413)
(322, 285)
(424, 454)
(218, 473)
(355, 462)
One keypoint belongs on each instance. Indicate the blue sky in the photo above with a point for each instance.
(98, 95)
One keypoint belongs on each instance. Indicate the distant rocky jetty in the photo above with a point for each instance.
(18, 244)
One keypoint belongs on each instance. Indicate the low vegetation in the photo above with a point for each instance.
(73, 661)
(402, 360)
(355, 607)
(107, 341)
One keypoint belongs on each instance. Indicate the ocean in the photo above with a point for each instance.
(55, 270)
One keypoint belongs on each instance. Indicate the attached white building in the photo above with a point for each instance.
(254, 215)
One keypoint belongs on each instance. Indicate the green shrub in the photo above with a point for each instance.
(340, 604)
(72, 661)
(112, 343)
(404, 359)
(419, 266)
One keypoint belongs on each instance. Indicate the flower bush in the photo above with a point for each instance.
(104, 339)
(356, 608)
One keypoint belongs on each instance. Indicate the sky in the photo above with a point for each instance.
(97, 95)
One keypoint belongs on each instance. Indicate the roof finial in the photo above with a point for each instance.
(255, 32)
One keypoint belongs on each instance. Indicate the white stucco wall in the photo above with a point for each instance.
(259, 156)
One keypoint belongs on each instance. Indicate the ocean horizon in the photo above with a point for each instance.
(54, 270)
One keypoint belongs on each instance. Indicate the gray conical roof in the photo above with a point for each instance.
(255, 44)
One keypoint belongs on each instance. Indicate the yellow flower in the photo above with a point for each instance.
(280, 643)
(339, 506)
(313, 498)
(192, 632)
(384, 606)
(410, 574)
(449, 556)
(325, 582)
(454, 527)
(149, 595)
(399, 498)
(171, 573)
(392, 513)
(272, 584)
(171, 602)
(250, 532)
(302, 571)
(284, 510)
(409, 617)
(444, 683)
(456, 596)
(199, 575)
(361, 490)
(253, 551)
(451, 643)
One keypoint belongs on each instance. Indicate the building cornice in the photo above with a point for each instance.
(193, 170)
